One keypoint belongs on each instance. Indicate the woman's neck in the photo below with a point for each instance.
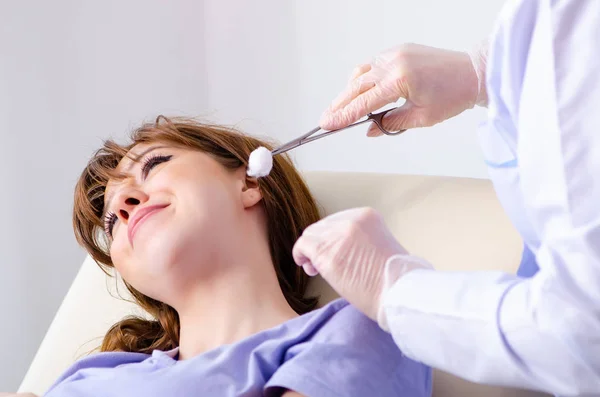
(242, 300)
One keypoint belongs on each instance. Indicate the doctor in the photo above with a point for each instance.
(542, 144)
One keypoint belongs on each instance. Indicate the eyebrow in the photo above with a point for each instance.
(136, 160)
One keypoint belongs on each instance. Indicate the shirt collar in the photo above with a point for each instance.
(173, 353)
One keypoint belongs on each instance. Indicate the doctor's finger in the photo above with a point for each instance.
(310, 269)
(402, 118)
(305, 250)
(359, 71)
(311, 251)
(363, 104)
(354, 88)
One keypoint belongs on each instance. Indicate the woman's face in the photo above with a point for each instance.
(174, 218)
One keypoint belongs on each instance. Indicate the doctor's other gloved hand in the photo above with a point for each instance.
(357, 255)
(437, 84)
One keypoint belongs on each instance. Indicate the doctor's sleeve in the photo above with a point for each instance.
(544, 332)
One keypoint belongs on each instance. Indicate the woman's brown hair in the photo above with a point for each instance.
(289, 208)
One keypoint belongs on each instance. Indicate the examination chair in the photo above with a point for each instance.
(455, 223)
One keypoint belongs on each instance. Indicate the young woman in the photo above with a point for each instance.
(207, 252)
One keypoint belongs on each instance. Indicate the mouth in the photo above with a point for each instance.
(139, 217)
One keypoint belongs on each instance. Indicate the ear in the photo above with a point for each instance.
(251, 194)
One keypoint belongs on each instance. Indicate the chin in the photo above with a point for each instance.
(168, 253)
(155, 257)
(155, 273)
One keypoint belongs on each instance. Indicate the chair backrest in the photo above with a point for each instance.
(456, 223)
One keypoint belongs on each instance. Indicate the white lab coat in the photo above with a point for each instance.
(542, 145)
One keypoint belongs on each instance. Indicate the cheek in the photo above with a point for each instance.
(129, 269)
(118, 256)
(214, 201)
(120, 253)
(159, 245)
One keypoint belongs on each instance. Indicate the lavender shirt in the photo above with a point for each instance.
(332, 351)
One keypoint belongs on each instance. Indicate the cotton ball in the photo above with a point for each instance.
(260, 163)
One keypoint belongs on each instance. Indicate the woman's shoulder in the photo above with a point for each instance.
(340, 322)
(101, 360)
(352, 356)
(109, 359)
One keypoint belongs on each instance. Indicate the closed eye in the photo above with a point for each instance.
(109, 222)
(152, 162)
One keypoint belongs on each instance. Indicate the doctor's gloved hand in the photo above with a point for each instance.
(357, 255)
(436, 83)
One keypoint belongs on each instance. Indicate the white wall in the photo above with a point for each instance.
(73, 72)
(70, 74)
(276, 65)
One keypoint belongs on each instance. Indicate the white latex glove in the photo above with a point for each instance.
(357, 255)
(436, 83)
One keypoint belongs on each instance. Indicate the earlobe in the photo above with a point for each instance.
(251, 194)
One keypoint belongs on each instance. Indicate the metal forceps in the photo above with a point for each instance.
(310, 136)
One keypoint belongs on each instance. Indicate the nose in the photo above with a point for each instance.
(128, 201)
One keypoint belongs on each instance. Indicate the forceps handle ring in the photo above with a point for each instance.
(377, 118)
